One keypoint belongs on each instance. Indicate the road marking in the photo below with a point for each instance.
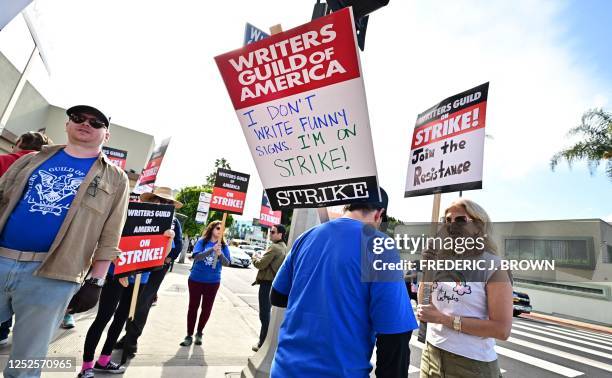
(561, 343)
(538, 362)
(570, 333)
(570, 338)
(562, 354)
(599, 336)
(508, 353)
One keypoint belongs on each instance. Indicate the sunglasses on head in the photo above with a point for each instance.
(81, 118)
(459, 219)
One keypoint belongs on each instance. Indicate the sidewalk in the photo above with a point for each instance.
(231, 331)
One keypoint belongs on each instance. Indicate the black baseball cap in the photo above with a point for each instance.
(86, 109)
(384, 200)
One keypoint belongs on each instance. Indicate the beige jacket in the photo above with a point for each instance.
(270, 262)
(93, 225)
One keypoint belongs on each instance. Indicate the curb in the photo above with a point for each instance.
(574, 323)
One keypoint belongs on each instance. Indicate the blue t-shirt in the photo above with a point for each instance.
(333, 315)
(37, 218)
(202, 271)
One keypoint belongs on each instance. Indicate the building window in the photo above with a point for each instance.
(609, 260)
(573, 253)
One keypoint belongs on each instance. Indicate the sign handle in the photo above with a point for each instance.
(435, 214)
(134, 297)
(222, 232)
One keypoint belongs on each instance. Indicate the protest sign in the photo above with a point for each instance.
(203, 207)
(300, 99)
(149, 174)
(253, 34)
(117, 157)
(267, 216)
(143, 244)
(229, 192)
(448, 144)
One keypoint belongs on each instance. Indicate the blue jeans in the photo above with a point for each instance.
(38, 304)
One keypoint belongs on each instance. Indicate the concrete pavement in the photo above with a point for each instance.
(228, 337)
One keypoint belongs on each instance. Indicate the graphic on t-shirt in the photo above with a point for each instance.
(209, 259)
(51, 193)
(461, 287)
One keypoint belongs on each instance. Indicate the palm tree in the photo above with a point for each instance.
(596, 146)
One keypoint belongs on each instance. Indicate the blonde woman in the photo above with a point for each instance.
(466, 316)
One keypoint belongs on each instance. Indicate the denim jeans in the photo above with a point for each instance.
(38, 304)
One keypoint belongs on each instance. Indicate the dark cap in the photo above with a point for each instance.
(384, 200)
(78, 109)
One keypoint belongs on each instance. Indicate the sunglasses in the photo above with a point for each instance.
(460, 219)
(272, 232)
(93, 121)
(218, 228)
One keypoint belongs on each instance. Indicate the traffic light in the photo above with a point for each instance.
(361, 11)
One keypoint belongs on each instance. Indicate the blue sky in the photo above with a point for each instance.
(547, 61)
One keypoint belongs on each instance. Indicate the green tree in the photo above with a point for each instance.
(190, 196)
(596, 144)
(219, 163)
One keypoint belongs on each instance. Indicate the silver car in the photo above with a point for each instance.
(239, 257)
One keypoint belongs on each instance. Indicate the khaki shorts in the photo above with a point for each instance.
(438, 363)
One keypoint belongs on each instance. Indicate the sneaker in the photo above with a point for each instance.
(255, 348)
(198, 339)
(111, 368)
(68, 321)
(187, 342)
(87, 373)
(4, 341)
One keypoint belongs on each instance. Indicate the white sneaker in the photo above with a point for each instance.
(4, 341)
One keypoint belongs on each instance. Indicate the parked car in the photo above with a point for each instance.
(521, 303)
(239, 257)
(250, 249)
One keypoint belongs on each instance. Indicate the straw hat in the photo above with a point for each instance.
(161, 192)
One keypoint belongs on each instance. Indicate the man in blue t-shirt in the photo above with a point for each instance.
(333, 317)
(61, 215)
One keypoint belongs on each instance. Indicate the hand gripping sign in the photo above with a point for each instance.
(143, 244)
(300, 99)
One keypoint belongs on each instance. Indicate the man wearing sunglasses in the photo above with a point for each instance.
(61, 215)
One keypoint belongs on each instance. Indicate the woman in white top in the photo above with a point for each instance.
(469, 310)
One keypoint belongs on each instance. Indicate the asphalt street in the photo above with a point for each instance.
(535, 349)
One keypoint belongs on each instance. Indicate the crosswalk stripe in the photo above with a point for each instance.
(562, 354)
(561, 343)
(585, 333)
(547, 365)
(566, 332)
(570, 338)
(538, 362)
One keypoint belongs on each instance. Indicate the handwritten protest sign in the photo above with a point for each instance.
(229, 192)
(300, 99)
(203, 206)
(117, 157)
(143, 245)
(267, 216)
(448, 144)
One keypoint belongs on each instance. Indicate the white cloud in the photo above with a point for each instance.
(150, 65)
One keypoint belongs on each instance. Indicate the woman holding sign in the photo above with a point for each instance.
(205, 278)
(469, 309)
